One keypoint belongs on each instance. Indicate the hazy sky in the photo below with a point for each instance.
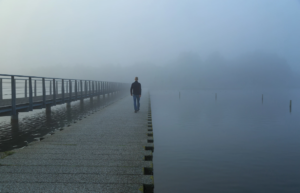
(98, 32)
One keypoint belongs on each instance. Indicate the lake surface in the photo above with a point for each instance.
(233, 143)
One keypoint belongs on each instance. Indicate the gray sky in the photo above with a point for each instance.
(117, 32)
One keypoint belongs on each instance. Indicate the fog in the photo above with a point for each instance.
(168, 44)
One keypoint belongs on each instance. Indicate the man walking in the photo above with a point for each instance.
(137, 92)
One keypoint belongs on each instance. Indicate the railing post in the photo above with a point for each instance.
(81, 89)
(108, 89)
(100, 87)
(62, 90)
(54, 91)
(93, 88)
(56, 87)
(70, 90)
(76, 88)
(70, 94)
(90, 90)
(85, 89)
(34, 88)
(50, 85)
(25, 89)
(104, 89)
(98, 90)
(44, 92)
(67, 88)
(1, 92)
(14, 113)
(81, 94)
(30, 94)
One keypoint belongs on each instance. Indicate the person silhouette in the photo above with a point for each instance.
(136, 92)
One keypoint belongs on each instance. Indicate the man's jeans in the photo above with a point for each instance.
(136, 98)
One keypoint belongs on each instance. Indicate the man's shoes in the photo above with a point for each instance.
(135, 111)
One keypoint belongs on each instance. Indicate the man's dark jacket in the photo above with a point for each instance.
(136, 87)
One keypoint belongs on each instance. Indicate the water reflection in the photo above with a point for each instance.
(36, 124)
(234, 144)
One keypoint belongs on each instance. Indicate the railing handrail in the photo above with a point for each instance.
(71, 89)
(51, 78)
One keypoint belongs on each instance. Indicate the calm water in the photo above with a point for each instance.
(236, 143)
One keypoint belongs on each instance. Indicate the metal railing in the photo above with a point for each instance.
(20, 93)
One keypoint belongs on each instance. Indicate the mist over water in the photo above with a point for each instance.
(233, 143)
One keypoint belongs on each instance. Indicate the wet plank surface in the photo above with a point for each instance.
(102, 153)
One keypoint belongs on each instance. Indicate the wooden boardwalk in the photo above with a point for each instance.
(105, 152)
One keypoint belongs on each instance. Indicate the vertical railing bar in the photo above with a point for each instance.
(70, 90)
(13, 96)
(1, 92)
(50, 85)
(85, 89)
(25, 89)
(30, 94)
(76, 88)
(93, 88)
(96, 88)
(67, 87)
(44, 92)
(63, 90)
(81, 93)
(34, 88)
(54, 91)
(105, 85)
(56, 87)
(90, 88)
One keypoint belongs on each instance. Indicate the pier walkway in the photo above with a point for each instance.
(105, 152)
